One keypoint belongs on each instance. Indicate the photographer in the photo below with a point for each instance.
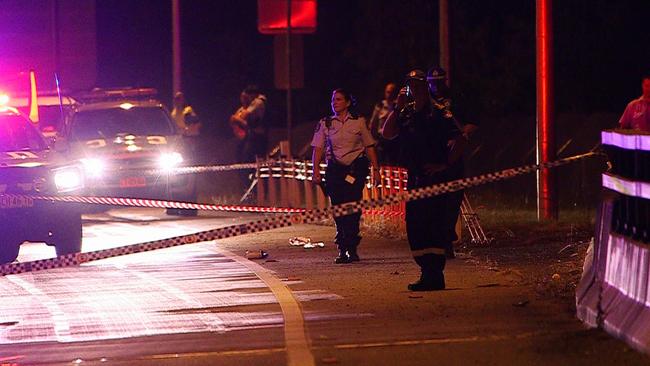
(344, 136)
(431, 147)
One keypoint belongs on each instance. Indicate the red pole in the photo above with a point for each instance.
(546, 188)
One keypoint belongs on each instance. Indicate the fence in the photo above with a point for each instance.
(288, 183)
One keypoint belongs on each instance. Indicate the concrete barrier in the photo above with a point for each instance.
(614, 292)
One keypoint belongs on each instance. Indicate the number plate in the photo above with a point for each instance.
(16, 202)
(130, 182)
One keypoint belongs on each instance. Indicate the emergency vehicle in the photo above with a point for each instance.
(121, 136)
(28, 166)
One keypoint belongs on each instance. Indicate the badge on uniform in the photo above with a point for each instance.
(350, 179)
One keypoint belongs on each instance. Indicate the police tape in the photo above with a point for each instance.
(149, 203)
(280, 221)
(204, 169)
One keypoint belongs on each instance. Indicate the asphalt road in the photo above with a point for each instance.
(206, 304)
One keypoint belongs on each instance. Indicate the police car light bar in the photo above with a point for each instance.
(99, 94)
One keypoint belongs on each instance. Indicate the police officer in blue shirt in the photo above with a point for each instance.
(431, 148)
(347, 143)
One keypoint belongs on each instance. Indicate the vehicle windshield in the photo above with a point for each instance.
(107, 123)
(18, 134)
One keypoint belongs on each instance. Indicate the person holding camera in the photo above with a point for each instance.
(344, 139)
(431, 147)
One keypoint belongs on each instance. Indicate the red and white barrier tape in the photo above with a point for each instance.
(142, 202)
(281, 220)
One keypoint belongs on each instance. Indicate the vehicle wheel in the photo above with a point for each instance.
(9, 248)
(187, 197)
(67, 235)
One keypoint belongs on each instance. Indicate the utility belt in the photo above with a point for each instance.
(357, 170)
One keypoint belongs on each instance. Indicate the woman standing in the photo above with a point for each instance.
(348, 146)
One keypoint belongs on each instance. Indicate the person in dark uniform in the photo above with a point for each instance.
(431, 149)
(348, 145)
(441, 97)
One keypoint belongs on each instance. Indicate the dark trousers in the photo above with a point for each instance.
(430, 226)
(341, 191)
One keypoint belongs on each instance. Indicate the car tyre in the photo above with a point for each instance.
(68, 235)
(9, 248)
(187, 197)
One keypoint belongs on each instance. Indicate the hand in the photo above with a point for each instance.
(315, 177)
(431, 169)
(402, 98)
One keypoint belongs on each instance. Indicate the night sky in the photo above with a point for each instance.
(602, 48)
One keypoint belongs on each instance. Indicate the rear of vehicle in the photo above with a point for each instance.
(121, 142)
(53, 111)
(28, 167)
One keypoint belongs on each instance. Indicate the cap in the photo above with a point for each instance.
(436, 73)
(416, 74)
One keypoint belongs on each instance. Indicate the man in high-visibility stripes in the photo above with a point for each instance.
(431, 147)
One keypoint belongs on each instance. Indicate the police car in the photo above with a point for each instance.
(27, 167)
(121, 138)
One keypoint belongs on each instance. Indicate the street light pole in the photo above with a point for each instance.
(443, 37)
(176, 47)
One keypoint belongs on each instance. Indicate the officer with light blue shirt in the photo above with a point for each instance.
(346, 142)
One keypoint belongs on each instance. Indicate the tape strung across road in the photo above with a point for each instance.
(141, 202)
(204, 169)
(283, 220)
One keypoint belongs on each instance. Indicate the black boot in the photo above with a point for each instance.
(343, 257)
(353, 255)
(432, 277)
(429, 282)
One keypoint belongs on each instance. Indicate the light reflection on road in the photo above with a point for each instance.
(193, 288)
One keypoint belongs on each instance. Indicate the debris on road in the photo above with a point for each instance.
(256, 254)
(521, 304)
(320, 244)
(299, 241)
(305, 242)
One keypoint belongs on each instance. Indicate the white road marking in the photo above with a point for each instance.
(58, 316)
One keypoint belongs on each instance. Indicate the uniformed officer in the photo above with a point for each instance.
(441, 97)
(348, 145)
(431, 149)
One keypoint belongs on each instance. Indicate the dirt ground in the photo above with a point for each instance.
(509, 302)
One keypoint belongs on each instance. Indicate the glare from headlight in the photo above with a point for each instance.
(94, 167)
(169, 161)
(68, 180)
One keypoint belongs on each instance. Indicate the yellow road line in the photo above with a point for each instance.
(295, 336)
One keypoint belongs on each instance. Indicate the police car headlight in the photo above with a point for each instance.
(93, 167)
(68, 179)
(169, 161)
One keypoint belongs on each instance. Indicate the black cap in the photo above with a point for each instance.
(416, 74)
(436, 73)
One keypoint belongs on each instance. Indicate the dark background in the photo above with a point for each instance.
(601, 50)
